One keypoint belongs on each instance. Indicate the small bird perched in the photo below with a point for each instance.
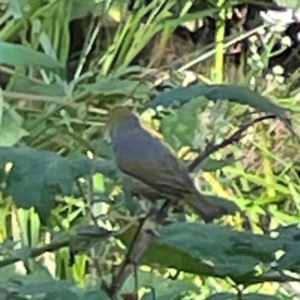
(140, 155)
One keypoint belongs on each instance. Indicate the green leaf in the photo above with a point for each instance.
(231, 206)
(127, 71)
(75, 293)
(87, 237)
(164, 288)
(23, 253)
(6, 272)
(43, 287)
(22, 56)
(14, 10)
(167, 255)
(33, 286)
(179, 96)
(88, 294)
(222, 296)
(211, 235)
(211, 250)
(113, 86)
(11, 130)
(170, 293)
(210, 165)
(82, 8)
(62, 295)
(179, 128)
(24, 85)
(38, 176)
(215, 92)
(257, 296)
(291, 259)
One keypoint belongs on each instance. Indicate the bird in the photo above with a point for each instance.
(145, 158)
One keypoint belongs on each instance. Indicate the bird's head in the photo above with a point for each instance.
(121, 117)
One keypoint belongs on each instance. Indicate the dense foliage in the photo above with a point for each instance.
(69, 227)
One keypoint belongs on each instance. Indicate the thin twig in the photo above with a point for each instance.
(138, 247)
(235, 137)
(125, 269)
(54, 246)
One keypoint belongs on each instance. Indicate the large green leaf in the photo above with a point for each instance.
(290, 236)
(40, 286)
(179, 96)
(258, 296)
(250, 296)
(164, 288)
(215, 92)
(32, 286)
(62, 295)
(211, 250)
(172, 292)
(22, 56)
(291, 259)
(87, 294)
(222, 296)
(37, 176)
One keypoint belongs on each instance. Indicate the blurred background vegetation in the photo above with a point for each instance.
(188, 68)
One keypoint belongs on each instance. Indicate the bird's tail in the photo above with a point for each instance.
(208, 208)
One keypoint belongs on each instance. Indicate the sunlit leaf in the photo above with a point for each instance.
(11, 130)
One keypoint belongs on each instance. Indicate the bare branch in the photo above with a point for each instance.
(235, 137)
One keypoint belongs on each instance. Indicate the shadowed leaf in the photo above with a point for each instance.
(38, 176)
(216, 92)
(222, 296)
(210, 250)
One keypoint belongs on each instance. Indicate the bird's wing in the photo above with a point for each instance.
(181, 180)
(153, 163)
(141, 166)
